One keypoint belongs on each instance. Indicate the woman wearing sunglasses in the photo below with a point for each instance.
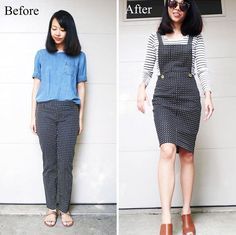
(178, 50)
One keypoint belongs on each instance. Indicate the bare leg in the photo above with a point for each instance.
(186, 178)
(166, 179)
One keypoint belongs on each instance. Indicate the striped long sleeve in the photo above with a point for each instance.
(200, 66)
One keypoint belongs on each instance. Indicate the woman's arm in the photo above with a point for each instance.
(36, 85)
(81, 92)
(202, 71)
(149, 63)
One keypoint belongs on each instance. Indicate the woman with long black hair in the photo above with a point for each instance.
(178, 50)
(57, 111)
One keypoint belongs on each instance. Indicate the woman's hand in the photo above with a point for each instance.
(209, 108)
(33, 126)
(142, 97)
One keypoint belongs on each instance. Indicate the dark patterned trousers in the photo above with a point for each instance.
(57, 124)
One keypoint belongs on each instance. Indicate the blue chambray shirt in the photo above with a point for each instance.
(59, 74)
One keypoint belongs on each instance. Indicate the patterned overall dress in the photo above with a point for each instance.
(176, 99)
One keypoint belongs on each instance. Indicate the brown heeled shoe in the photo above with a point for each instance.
(166, 229)
(188, 225)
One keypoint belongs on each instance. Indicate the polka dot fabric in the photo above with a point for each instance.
(57, 125)
(176, 99)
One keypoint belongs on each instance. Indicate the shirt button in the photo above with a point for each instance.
(162, 76)
(190, 75)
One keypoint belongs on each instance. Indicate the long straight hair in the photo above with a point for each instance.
(72, 45)
(192, 24)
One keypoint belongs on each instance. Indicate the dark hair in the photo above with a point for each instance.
(192, 24)
(72, 45)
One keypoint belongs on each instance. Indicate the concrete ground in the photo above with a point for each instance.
(208, 221)
(28, 220)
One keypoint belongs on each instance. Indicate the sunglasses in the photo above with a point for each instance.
(183, 6)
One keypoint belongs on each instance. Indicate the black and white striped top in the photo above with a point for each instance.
(199, 62)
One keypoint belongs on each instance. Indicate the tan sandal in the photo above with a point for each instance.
(66, 222)
(50, 222)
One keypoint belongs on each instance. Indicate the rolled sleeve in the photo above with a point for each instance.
(37, 66)
(82, 69)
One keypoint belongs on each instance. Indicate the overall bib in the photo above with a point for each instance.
(176, 99)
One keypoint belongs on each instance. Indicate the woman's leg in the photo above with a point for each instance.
(186, 178)
(166, 178)
(68, 126)
(46, 130)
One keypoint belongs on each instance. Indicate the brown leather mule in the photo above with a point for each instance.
(166, 229)
(188, 225)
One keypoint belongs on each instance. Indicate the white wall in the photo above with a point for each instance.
(216, 147)
(20, 155)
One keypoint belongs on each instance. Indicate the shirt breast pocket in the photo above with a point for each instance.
(69, 69)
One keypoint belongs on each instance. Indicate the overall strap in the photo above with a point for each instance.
(190, 39)
(159, 39)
